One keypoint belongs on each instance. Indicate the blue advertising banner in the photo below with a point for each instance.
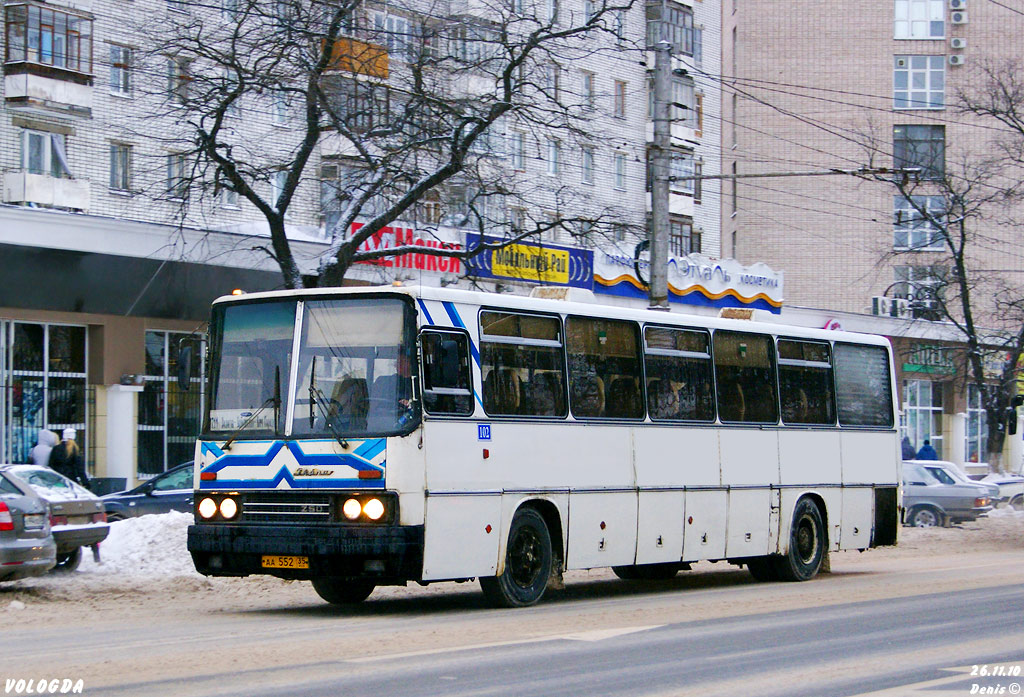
(531, 261)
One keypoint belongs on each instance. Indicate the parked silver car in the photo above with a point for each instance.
(950, 473)
(26, 545)
(929, 501)
(77, 516)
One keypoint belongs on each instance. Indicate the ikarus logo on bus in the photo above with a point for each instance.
(281, 464)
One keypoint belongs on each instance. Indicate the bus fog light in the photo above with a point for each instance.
(373, 509)
(351, 509)
(228, 508)
(207, 508)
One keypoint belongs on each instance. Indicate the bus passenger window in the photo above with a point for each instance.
(863, 387)
(805, 382)
(446, 375)
(745, 372)
(604, 368)
(680, 378)
(521, 358)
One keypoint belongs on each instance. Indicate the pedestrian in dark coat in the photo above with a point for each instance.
(927, 452)
(66, 458)
(908, 449)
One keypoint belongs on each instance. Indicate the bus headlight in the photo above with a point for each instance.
(352, 508)
(228, 508)
(207, 508)
(373, 509)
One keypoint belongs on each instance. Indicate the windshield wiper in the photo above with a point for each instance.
(275, 399)
(318, 399)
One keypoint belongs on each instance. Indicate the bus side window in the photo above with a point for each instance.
(680, 377)
(745, 372)
(446, 375)
(863, 386)
(805, 382)
(604, 368)
(522, 359)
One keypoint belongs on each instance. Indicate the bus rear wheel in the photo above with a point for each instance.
(342, 591)
(806, 544)
(528, 560)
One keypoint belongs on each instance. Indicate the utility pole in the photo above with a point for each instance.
(660, 153)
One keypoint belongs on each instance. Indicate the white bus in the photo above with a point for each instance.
(375, 436)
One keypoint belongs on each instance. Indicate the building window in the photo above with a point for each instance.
(670, 22)
(552, 11)
(552, 80)
(169, 418)
(516, 150)
(682, 169)
(393, 31)
(923, 147)
(682, 239)
(120, 166)
(698, 171)
(177, 185)
(178, 79)
(620, 170)
(120, 67)
(619, 28)
(229, 10)
(976, 436)
(922, 413)
(914, 231)
(278, 180)
(44, 153)
(587, 165)
(280, 109)
(920, 19)
(619, 108)
(923, 286)
(42, 386)
(589, 10)
(517, 220)
(361, 104)
(49, 37)
(554, 156)
(588, 91)
(228, 197)
(919, 82)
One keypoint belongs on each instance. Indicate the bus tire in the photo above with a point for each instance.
(806, 544)
(528, 560)
(342, 591)
(763, 568)
(647, 572)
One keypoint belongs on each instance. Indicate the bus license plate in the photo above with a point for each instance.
(279, 562)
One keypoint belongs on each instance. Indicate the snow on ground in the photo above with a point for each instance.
(147, 546)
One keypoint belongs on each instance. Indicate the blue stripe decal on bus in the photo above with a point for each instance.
(426, 312)
(357, 461)
(283, 475)
(457, 321)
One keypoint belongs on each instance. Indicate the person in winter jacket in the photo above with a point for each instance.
(908, 449)
(40, 454)
(927, 452)
(66, 458)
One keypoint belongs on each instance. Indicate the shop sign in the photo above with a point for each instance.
(926, 358)
(398, 236)
(693, 280)
(531, 262)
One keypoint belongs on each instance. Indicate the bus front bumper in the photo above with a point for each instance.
(386, 554)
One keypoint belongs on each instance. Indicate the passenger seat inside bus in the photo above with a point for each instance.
(623, 399)
(503, 391)
(662, 399)
(587, 395)
(545, 390)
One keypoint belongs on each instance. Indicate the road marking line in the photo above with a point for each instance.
(595, 635)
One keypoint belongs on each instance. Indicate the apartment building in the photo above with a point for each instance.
(111, 251)
(822, 86)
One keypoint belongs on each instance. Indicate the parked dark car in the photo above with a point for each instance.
(170, 491)
(77, 518)
(26, 545)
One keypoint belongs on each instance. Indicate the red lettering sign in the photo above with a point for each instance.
(391, 237)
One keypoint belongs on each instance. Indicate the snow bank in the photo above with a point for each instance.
(150, 545)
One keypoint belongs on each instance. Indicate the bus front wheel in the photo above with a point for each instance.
(806, 544)
(528, 560)
(342, 591)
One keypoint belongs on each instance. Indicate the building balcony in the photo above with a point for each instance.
(47, 191)
(30, 90)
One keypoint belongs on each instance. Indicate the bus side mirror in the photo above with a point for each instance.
(184, 368)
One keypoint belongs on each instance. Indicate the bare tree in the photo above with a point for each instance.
(396, 112)
(954, 222)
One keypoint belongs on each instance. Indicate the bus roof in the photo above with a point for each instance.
(545, 305)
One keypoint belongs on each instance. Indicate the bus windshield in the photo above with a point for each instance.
(352, 372)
